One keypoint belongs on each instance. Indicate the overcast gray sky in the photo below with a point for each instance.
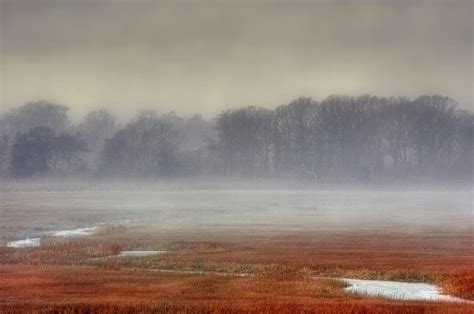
(207, 56)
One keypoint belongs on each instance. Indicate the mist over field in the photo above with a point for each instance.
(246, 211)
(344, 163)
(236, 156)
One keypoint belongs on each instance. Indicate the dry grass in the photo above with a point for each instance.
(270, 307)
(289, 273)
(459, 282)
(75, 289)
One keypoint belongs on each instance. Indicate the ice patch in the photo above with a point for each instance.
(74, 232)
(30, 242)
(25, 243)
(398, 290)
(141, 253)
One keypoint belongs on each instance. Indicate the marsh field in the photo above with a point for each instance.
(232, 249)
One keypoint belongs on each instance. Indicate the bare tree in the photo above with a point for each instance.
(296, 128)
(34, 114)
(39, 151)
(148, 145)
(95, 129)
(434, 118)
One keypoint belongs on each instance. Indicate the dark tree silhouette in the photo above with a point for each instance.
(31, 152)
(148, 145)
(95, 129)
(341, 138)
(39, 151)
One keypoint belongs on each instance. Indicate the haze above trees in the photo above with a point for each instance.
(339, 139)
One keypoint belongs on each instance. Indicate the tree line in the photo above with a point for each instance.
(339, 139)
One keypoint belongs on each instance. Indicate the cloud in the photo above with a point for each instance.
(203, 57)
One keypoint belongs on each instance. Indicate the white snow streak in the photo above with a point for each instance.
(74, 232)
(25, 243)
(33, 242)
(398, 290)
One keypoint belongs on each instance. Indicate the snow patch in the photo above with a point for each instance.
(74, 232)
(25, 243)
(33, 242)
(398, 290)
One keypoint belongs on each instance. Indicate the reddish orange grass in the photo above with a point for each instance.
(290, 273)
